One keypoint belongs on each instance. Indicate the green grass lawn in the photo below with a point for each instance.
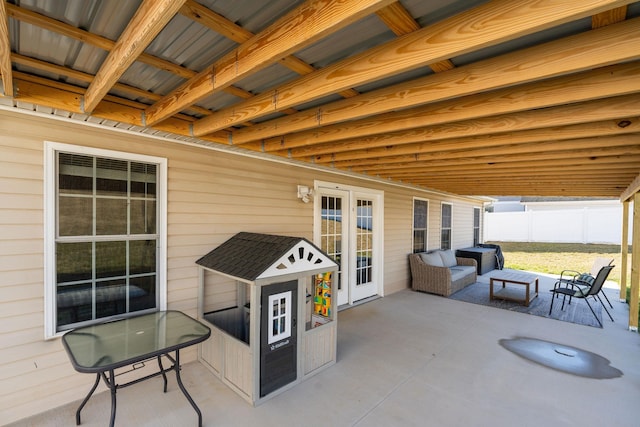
(552, 258)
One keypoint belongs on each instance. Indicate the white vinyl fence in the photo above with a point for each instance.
(572, 225)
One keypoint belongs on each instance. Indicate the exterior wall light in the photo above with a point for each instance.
(305, 193)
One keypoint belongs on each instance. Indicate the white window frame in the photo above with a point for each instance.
(282, 317)
(413, 223)
(443, 228)
(50, 195)
(478, 227)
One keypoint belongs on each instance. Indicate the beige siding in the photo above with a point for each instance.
(211, 196)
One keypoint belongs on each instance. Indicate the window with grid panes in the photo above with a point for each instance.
(107, 236)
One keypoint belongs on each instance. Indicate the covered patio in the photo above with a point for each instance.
(411, 359)
(211, 113)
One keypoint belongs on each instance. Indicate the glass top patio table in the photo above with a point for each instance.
(102, 348)
(122, 342)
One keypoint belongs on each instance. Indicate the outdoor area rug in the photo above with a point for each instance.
(576, 312)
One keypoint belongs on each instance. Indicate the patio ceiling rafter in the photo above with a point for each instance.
(5, 53)
(397, 89)
(606, 111)
(149, 20)
(497, 144)
(494, 22)
(295, 30)
(615, 43)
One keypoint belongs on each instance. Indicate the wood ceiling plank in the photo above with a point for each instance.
(83, 36)
(631, 190)
(86, 77)
(532, 158)
(573, 114)
(400, 21)
(574, 173)
(299, 28)
(59, 27)
(41, 91)
(606, 46)
(232, 31)
(5, 53)
(499, 145)
(218, 23)
(599, 83)
(491, 141)
(47, 95)
(144, 26)
(597, 165)
(487, 24)
(609, 17)
(299, 66)
(413, 164)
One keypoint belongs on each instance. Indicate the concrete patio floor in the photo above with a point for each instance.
(410, 359)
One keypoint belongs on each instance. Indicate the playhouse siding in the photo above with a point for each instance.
(211, 196)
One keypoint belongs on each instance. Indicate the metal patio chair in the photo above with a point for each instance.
(574, 290)
(586, 279)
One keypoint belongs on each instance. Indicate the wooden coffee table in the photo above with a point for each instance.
(513, 293)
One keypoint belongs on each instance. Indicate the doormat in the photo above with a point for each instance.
(576, 312)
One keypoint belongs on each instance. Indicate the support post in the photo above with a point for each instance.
(624, 253)
(635, 265)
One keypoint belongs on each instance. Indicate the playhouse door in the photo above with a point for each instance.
(278, 332)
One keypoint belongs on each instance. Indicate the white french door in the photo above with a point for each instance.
(348, 228)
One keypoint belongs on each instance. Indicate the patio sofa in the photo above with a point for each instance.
(441, 272)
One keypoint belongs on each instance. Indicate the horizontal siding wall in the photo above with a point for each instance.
(211, 196)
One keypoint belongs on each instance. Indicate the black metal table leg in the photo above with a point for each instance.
(86, 399)
(176, 367)
(111, 383)
(164, 376)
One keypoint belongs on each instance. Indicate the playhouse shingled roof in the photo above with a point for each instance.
(249, 255)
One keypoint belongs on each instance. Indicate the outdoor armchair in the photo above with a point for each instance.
(585, 280)
(574, 290)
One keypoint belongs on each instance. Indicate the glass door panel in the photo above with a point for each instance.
(332, 237)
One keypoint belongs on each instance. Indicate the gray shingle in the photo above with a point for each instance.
(247, 255)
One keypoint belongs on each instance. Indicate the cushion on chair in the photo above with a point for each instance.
(448, 258)
(432, 258)
(586, 278)
(461, 271)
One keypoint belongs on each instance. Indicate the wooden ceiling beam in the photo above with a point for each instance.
(299, 28)
(621, 168)
(58, 95)
(414, 164)
(86, 77)
(414, 169)
(582, 174)
(609, 17)
(83, 36)
(5, 53)
(144, 26)
(497, 21)
(232, 31)
(218, 23)
(399, 20)
(540, 190)
(495, 143)
(580, 116)
(562, 91)
(631, 190)
(608, 45)
(480, 159)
